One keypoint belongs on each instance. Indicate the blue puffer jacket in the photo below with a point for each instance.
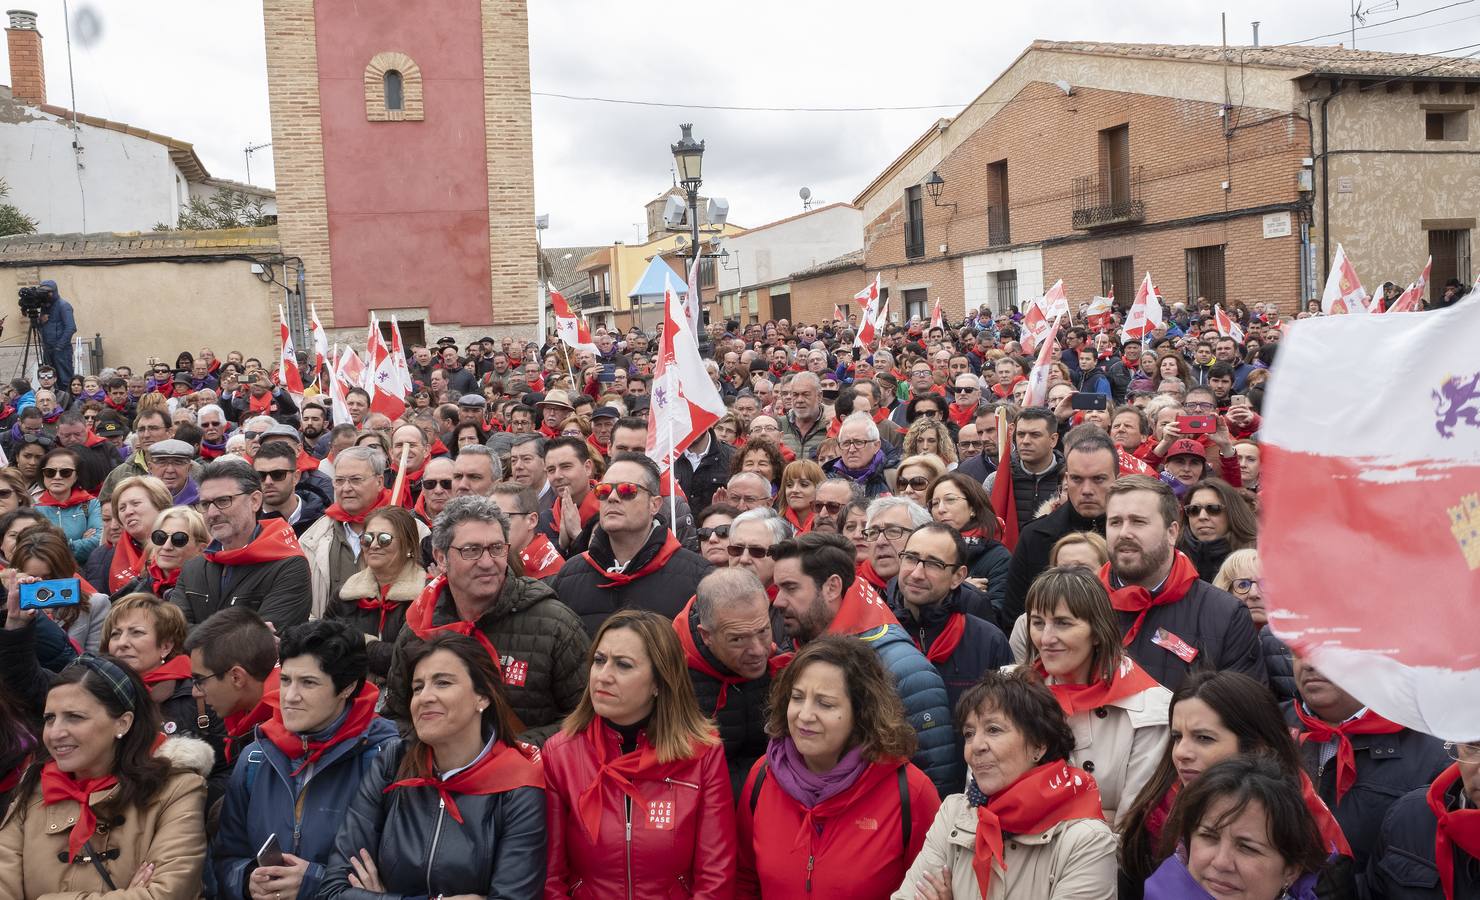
(76, 521)
(261, 800)
(983, 646)
(925, 703)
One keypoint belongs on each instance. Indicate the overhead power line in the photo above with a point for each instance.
(1346, 31)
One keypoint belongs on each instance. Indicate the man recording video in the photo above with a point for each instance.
(56, 324)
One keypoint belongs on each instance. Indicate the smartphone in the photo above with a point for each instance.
(1238, 400)
(1197, 424)
(270, 854)
(607, 375)
(51, 594)
(1087, 400)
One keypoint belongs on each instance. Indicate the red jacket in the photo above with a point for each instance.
(859, 851)
(690, 854)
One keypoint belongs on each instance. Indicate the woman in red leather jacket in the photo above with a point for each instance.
(638, 800)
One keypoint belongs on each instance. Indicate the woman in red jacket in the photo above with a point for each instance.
(638, 800)
(834, 808)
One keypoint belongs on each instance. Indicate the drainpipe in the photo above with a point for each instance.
(1326, 180)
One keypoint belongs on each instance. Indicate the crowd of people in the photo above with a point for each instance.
(884, 630)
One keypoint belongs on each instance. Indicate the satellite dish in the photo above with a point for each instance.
(805, 193)
(1064, 86)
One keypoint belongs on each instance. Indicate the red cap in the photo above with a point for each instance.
(1185, 447)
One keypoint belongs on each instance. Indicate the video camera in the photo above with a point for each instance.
(34, 301)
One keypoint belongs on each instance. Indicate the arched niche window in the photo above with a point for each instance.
(393, 88)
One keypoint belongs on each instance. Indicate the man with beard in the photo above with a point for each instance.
(1172, 621)
(833, 496)
(314, 425)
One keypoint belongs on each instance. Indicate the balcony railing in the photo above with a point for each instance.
(998, 232)
(1112, 197)
(594, 299)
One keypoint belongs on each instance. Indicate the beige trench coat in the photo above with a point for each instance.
(1074, 860)
(1122, 747)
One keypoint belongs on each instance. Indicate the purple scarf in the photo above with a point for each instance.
(98, 396)
(1172, 881)
(189, 494)
(874, 467)
(801, 783)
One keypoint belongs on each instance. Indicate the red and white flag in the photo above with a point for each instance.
(571, 328)
(691, 299)
(384, 378)
(320, 343)
(1144, 316)
(349, 372)
(874, 315)
(1227, 327)
(685, 402)
(292, 379)
(1411, 300)
(838, 315)
(1055, 301)
(1033, 325)
(1038, 378)
(398, 355)
(1370, 502)
(1344, 292)
(937, 318)
(1097, 314)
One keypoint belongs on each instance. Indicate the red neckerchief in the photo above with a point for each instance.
(239, 725)
(947, 641)
(92, 440)
(1040, 799)
(622, 772)
(306, 462)
(589, 508)
(274, 541)
(622, 579)
(1002, 392)
(504, 769)
(540, 559)
(160, 580)
(209, 452)
(57, 786)
(1128, 680)
(12, 778)
(695, 660)
(338, 514)
(862, 609)
(78, 497)
(1136, 599)
(1330, 831)
(259, 406)
(126, 564)
(866, 573)
(420, 508)
(802, 526)
(51, 417)
(1455, 828)
(176, 668)
(419, 619)
(381, 603)
(598, 446)
(437, 448)
(361, 714)
(548, 432)
(1346, 758)
(961, 416)
(121, 408)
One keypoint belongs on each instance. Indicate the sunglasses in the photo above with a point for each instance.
(58, 473)
(380, 539)
(276, 475)
(827, 506)
(929, 413)
(444, 484)
(625, 490)
(738, 550)
(918, 483)
(160, 536)
(719, 531)
(1196, 509)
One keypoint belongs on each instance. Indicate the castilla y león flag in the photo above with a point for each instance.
(685, 402)
(1371, 507)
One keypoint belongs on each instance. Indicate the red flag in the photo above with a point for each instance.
(1411, 300)
(385, 380)
(570, 328)
(1055, 301)
(685, 402)
(937, 318)
(1344, 292)
(838, 313)
(1145, 313)
(292, 379)
(1227, 327)
(1034, 323)
(1003, 502)
(874, 315)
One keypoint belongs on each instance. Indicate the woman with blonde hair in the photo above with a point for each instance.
(178, 536)
(137, 501)
(148, 635)
(15, 493)
(1241, 575)
(638, 794)
(375, 598)
(930, 436)
(799, 482)
(916, 474)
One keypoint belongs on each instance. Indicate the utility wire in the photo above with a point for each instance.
(1348, 30)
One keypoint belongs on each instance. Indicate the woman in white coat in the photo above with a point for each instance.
(1117, 712)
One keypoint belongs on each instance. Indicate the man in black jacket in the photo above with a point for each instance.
(1390, 760)
(1091, 465)
(634, 562)
(1173, 621)
(248, 563)
(1036, 467)
(703, 468)
(726, 636)
(1123, 371)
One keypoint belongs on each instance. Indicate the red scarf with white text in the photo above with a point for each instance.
(127, 563)
(1040, 799)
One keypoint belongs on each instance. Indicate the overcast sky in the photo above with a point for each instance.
(195, 71)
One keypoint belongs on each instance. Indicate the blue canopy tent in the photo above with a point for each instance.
(648, 293)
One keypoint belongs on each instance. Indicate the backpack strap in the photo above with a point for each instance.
(906, 822)
(253, 761)
(755, 789)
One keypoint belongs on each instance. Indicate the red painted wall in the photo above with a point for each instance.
(408, 201)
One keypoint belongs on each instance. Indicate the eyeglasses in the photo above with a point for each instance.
(827, 506)
(380, 539)
(440, 484)
(253, 435)
(625, 490)
(160, 536)
(738, 550)
(1199, 407)
(764, 428)
(968, 445)
(918, 483)
(474, 552)
(49, 472)
(967, 390)
(1244, 585)
(223, 502)
(1196, 509)
(908, 560)
(1465, 752)
(928, 413)
(854, 444)
(200, 680)
(275, 475)
(350, 480)
(722, 532)
(892, 532)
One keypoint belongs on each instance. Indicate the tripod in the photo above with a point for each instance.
(33, 343)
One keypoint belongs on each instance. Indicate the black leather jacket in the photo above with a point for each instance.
(421, 851)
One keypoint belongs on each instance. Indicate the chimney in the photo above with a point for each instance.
(27, 71)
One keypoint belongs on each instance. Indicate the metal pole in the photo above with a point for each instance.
(697, 300)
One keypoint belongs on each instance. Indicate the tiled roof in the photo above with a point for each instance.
(561, 264)
(1334, 60)
(181, 152)
(53, 248)
(848, 260)
(252, 190)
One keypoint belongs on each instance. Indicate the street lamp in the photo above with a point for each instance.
(688, 159)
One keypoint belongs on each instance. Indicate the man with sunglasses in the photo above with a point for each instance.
(634, 561)
(833, 495)
(437, 487)
(751, 535)
(258, 565)
(630, 436)
(276, 463)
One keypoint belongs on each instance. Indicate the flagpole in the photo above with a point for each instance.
(672, 482)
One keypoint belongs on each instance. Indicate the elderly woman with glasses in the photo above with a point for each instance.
(375, 599)
(1241, 576)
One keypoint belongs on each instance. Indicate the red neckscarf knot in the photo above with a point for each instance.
(801, 525)
(504, 768)
(1455, 828)
(621, 772)
(239, 725)
(339, 514)
(419, 619)
(1040, 799)
(1128, 680)
(57, 786)
(622, 579)
(127, 563)
(176, 668)
(1136, 599)
(361, 714)
(381, 603)
(1346, 758)
(275, 540)
(78, 497)
(160, 580)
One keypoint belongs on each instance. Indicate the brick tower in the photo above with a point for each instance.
(405, 180)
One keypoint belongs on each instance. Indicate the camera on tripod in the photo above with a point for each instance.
(35, 301)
